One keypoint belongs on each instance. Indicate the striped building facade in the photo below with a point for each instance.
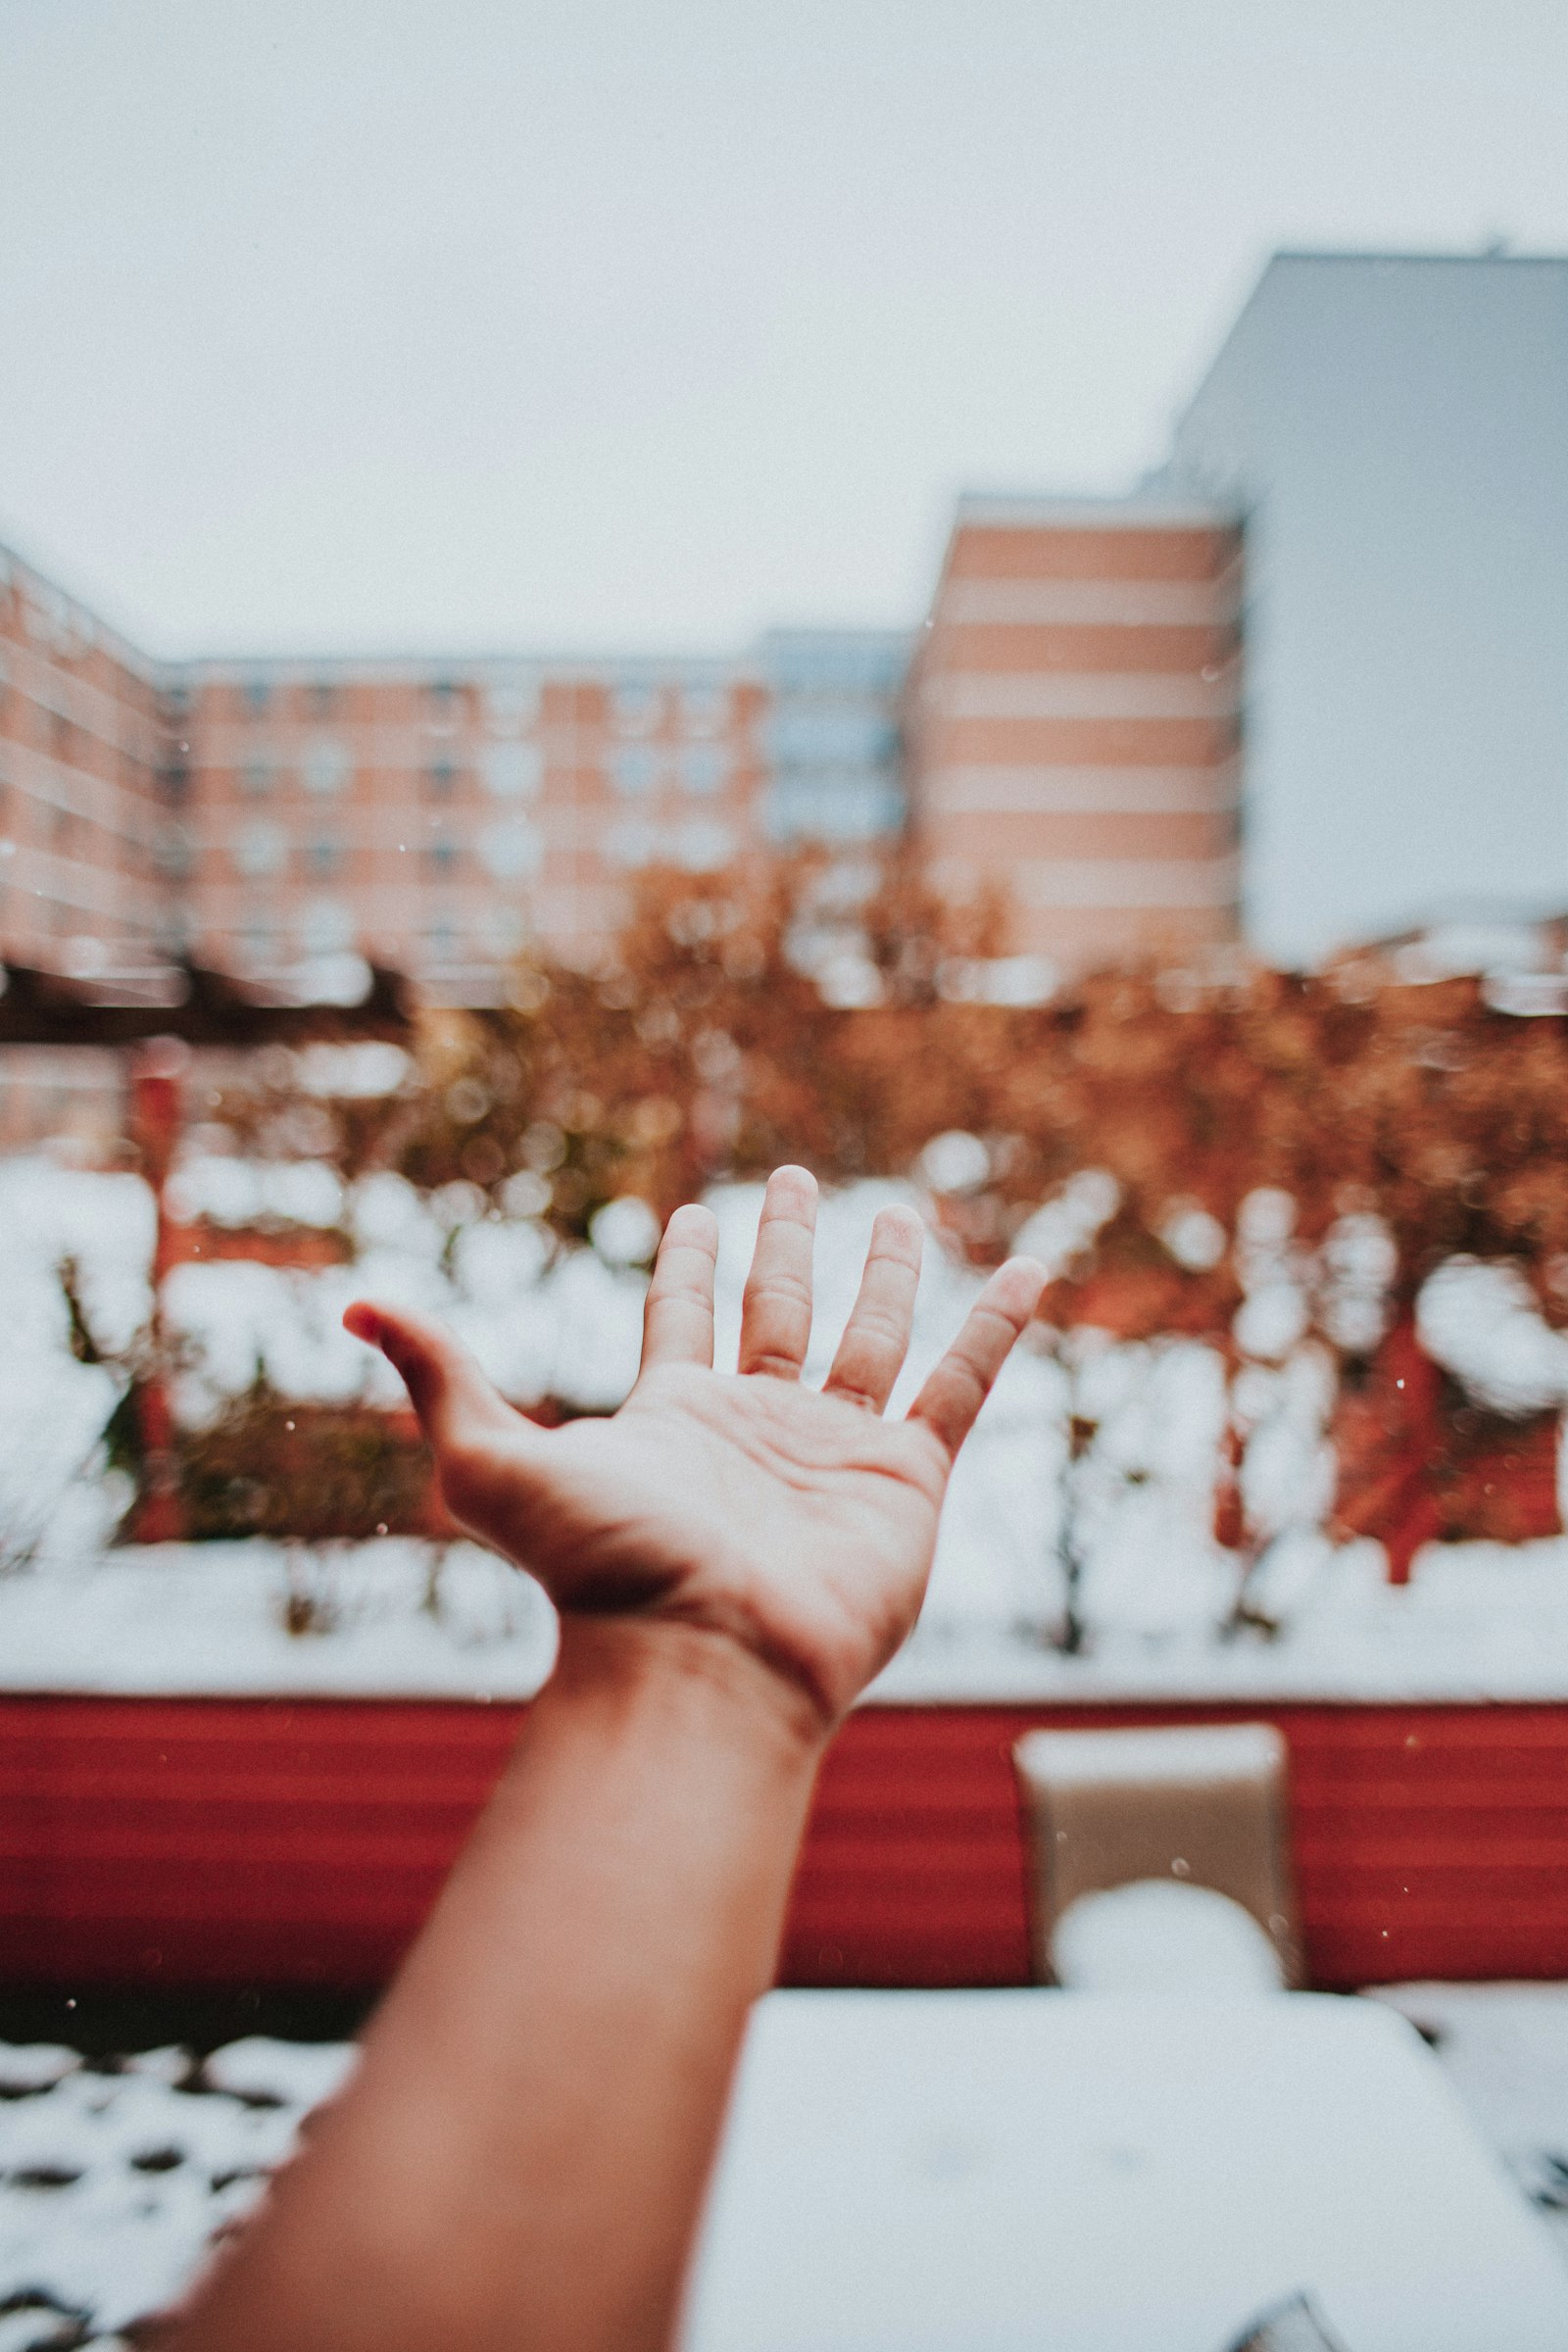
(1074, 724)
(85, 851)
(1069, 735)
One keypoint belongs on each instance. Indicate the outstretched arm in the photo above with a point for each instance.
(520, 2157)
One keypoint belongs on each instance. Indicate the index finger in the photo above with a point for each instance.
(963, 1381)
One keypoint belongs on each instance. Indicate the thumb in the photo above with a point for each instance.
(451, 1396)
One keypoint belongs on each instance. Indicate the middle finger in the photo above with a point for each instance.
(776, 1308)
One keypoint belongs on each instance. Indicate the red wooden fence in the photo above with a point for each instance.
(198, 1841)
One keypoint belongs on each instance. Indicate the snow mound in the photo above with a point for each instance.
(1480, 1320)
(1160, 1935)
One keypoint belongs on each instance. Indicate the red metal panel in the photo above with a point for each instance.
(232, 1841)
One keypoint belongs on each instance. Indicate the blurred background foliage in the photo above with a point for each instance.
(745, 1023)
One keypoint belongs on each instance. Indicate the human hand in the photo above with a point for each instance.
(794, 1524)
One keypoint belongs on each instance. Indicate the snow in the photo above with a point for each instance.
(1141, 1496)
(1476, 1622)
(1480, 1320)
(1358, 1262)
(1288, 1471)
(955, 1162)
(1275, 1313)
(34, 2066)
(1177, 1757)
(300, 2074)
(1195, 1239)
(1063, 1229)
(238, 1193)
(189, 1618)
(1158, 1936)
(1504, 2049)
(53, 1409)
(110, 2243)
(1112, 1536)
(116, 2181)
(100, 2240)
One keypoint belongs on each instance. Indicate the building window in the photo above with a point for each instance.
(260, 849)
(703, 768)
(831, 735)
(442, 855)
(505, 930)
(325, 854)
(512, 770)
(321, 699)
(441, 780)
(828, 805)
(326, 927)
(326, 766)
(634, 768)
(632, 842)
(510, 704)
(258, 695)
(702, 847)
(258, 777)
(705, 709)
(512, 848)
(636, 708)
(174, 853)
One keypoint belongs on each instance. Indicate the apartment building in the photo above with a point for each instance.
(1394, 427)
(85, 851)
(832, 734)
(441, 818)
(1074, 724)
(1369, 486)
(270, 818)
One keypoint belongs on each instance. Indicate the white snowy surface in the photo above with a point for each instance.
(1480, 1319)
(1478, 1622)
(51, 1408)
(1128, 1522)
(115, 2183)
(180, 1619)
(1158, 1936)
(97, 2242)
(1504, 2048)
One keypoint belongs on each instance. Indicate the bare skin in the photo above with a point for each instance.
(520, 2157)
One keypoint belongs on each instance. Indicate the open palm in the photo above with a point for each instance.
(797, 1523)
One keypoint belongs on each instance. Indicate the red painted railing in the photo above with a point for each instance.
(213, 1841)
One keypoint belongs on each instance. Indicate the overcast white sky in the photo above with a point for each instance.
(369, 324)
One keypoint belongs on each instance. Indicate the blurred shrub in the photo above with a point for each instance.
(308, 1473)
(723, 1038)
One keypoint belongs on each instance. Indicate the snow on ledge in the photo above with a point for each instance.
(1479, 1623)
(187, 1620)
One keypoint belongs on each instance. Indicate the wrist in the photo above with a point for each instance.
(694, 1677)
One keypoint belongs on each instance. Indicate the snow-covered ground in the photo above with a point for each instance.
(1476, 1622)
(115, 2183)
(1127, 1524)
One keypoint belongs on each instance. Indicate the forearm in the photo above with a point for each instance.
(521, 2158)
